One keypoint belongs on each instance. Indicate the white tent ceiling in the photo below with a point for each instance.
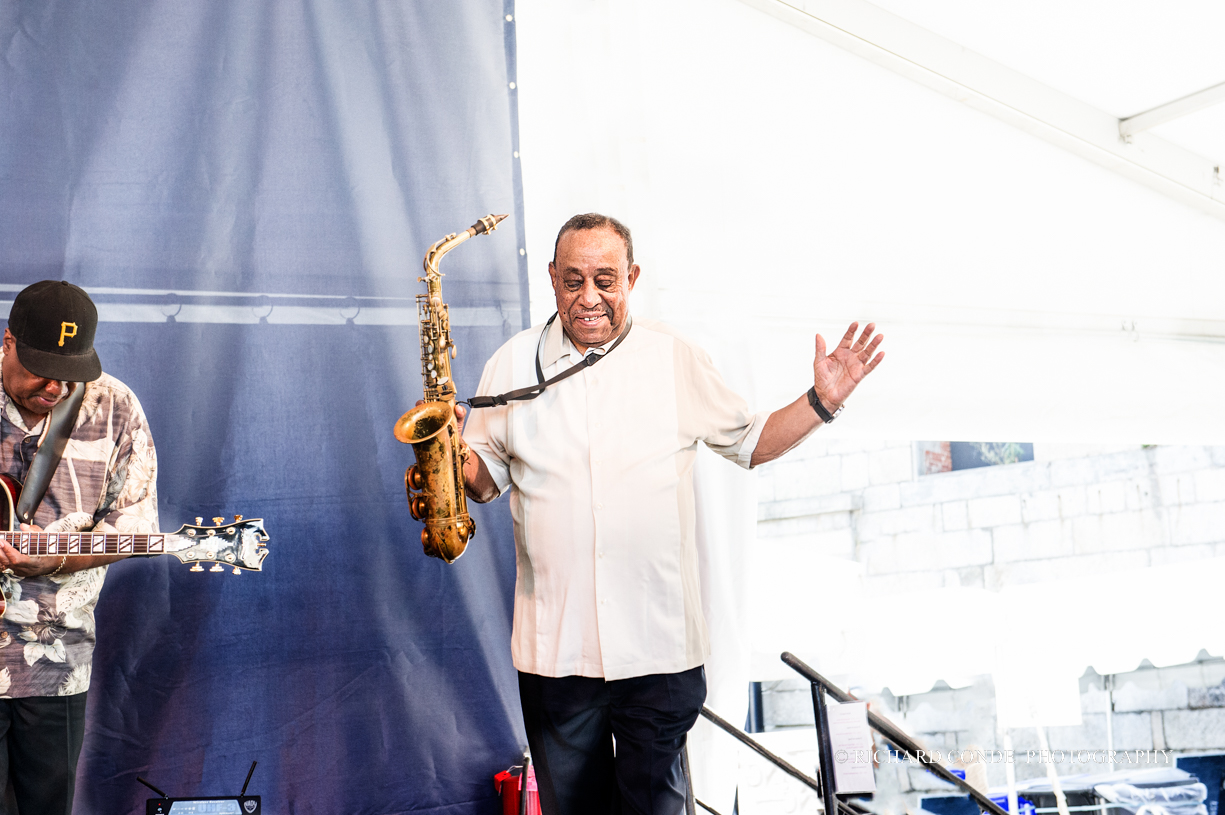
(1123, 142)
(1122, 58)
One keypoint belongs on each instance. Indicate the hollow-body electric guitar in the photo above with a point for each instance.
(239, 544)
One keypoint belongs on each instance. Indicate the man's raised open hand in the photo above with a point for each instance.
(836, 374)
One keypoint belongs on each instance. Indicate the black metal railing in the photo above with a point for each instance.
(888, 731)
(844, 807)
(823, 785)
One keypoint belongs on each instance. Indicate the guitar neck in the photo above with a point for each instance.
(84, 544)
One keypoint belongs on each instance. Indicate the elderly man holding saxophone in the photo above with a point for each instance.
(609, 637)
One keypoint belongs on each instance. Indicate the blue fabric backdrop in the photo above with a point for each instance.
(248, 189)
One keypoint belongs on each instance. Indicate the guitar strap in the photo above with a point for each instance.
(51, 447)
(523, 394)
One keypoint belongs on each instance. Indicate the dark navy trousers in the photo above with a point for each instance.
(611, 748)
(40, 741)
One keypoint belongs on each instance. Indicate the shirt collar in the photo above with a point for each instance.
(557, 345)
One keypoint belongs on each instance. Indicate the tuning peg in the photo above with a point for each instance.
(196, 568)
(216, 568)
(199, 520)
(237, 518)
(218, 520)
(237, 570)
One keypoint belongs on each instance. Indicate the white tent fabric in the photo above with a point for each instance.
(726, 521)
(778, 185)
(1035, 640)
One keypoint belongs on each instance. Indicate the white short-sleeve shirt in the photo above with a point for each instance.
(600, 469)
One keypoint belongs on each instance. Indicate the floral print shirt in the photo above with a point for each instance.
(106, 482)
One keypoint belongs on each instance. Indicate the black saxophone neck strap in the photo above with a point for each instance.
(62, 419)
(523, 394)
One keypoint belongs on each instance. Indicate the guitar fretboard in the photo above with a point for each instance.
(40, 544)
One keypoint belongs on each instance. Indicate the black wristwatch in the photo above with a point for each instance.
(825, 415)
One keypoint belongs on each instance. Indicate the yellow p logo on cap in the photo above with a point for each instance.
(65, 333)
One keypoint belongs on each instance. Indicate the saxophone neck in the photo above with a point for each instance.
(434, 257)
(436, 252)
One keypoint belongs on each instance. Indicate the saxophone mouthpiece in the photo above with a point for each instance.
(487, 224)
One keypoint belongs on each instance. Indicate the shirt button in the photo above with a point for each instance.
(599, 506)
(601, 554)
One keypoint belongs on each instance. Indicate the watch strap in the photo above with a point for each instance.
(815, 401)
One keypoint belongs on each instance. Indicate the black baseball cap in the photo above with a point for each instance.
(54, 322)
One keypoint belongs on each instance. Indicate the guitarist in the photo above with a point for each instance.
(105, 481)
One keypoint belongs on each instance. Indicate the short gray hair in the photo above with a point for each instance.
(594, 220)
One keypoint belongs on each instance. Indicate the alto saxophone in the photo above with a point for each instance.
(438, 475)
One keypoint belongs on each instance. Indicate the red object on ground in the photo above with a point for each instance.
(507, 786)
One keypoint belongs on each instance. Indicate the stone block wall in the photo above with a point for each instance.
(1070, 511)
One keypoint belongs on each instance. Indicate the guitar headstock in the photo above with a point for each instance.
(239, 543)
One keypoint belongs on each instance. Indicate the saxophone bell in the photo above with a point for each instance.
(435, 484)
